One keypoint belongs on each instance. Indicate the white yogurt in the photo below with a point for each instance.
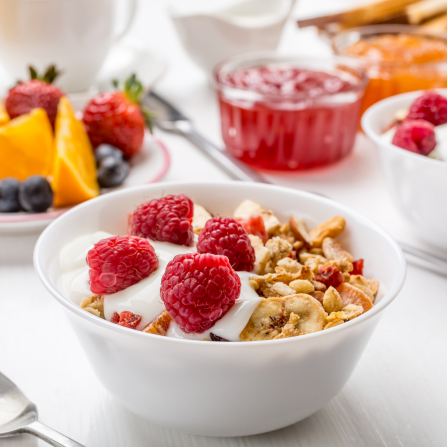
(440, 150)
(144, 298)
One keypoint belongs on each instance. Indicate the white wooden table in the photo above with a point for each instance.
(397, 395)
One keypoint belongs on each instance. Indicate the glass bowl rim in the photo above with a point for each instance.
(389, 29)
(272, 57)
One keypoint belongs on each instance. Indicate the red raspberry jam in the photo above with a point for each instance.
(282, 117)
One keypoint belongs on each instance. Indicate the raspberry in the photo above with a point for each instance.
(167, 220)
(225, 236)
(416, 136)
(126, 319)
(329, 275)
(119, 262)
(358, 267)
(430, 107)
(199, 289)
(255, 225)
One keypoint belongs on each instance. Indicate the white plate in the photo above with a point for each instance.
(148, 166)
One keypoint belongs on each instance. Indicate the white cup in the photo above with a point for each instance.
(75, 35)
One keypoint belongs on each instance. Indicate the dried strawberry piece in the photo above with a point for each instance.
(329, 275)
(126, 319)
(255, 225)
(358, 267)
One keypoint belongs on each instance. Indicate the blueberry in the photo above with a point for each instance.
(9, 195)
(35, 194)
(106, 150)
(112, 172)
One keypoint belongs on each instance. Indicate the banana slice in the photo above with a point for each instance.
(266, 322)
(312, 316)
(199, 218)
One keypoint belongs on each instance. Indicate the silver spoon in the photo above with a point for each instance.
(18, 415)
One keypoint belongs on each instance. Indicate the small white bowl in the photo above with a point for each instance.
(418, 184)
(222, 389)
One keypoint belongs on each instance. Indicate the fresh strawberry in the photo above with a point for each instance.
(36, 93)
(116, 118)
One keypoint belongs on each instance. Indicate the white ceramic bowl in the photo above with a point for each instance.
(417, 184)
(222, 389)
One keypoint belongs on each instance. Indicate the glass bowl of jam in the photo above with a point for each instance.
(397, 58)
(289, 113)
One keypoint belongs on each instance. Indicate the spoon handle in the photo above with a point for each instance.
(49, 435)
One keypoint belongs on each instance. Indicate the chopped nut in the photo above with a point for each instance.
(373, 284)
(352, 311)
(319, 286)
(350, 294)
(282, 289)
(334, 323)
(297, 245)
(262, 254)
(331, 228)
(160, 325)
(316, 251)
(288, 265)
(253, 284)
(247, 208)
(318, 296)
(94, 304)
(200, 217)
(333, 250)
(400, 114)
(332, 301)
(298, 228)
(290, 329)
(302, 286)
(343, 265)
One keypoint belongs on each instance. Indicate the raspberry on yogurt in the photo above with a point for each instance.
(430, 107)
(416, 136)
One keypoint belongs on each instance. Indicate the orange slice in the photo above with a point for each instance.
(352, 295)
(74, 174)
(4, 117)
(26, 146)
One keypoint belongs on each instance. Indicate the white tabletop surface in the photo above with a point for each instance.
(397, 395)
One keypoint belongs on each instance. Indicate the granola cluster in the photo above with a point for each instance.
(308, 280)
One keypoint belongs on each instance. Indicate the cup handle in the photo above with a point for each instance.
(132, 9)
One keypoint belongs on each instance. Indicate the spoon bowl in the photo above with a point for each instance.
(18, 415)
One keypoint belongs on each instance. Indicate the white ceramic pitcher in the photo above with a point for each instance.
(73, 34)
(214, 30)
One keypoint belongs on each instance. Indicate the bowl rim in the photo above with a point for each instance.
(377, 109)
(389, 296)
